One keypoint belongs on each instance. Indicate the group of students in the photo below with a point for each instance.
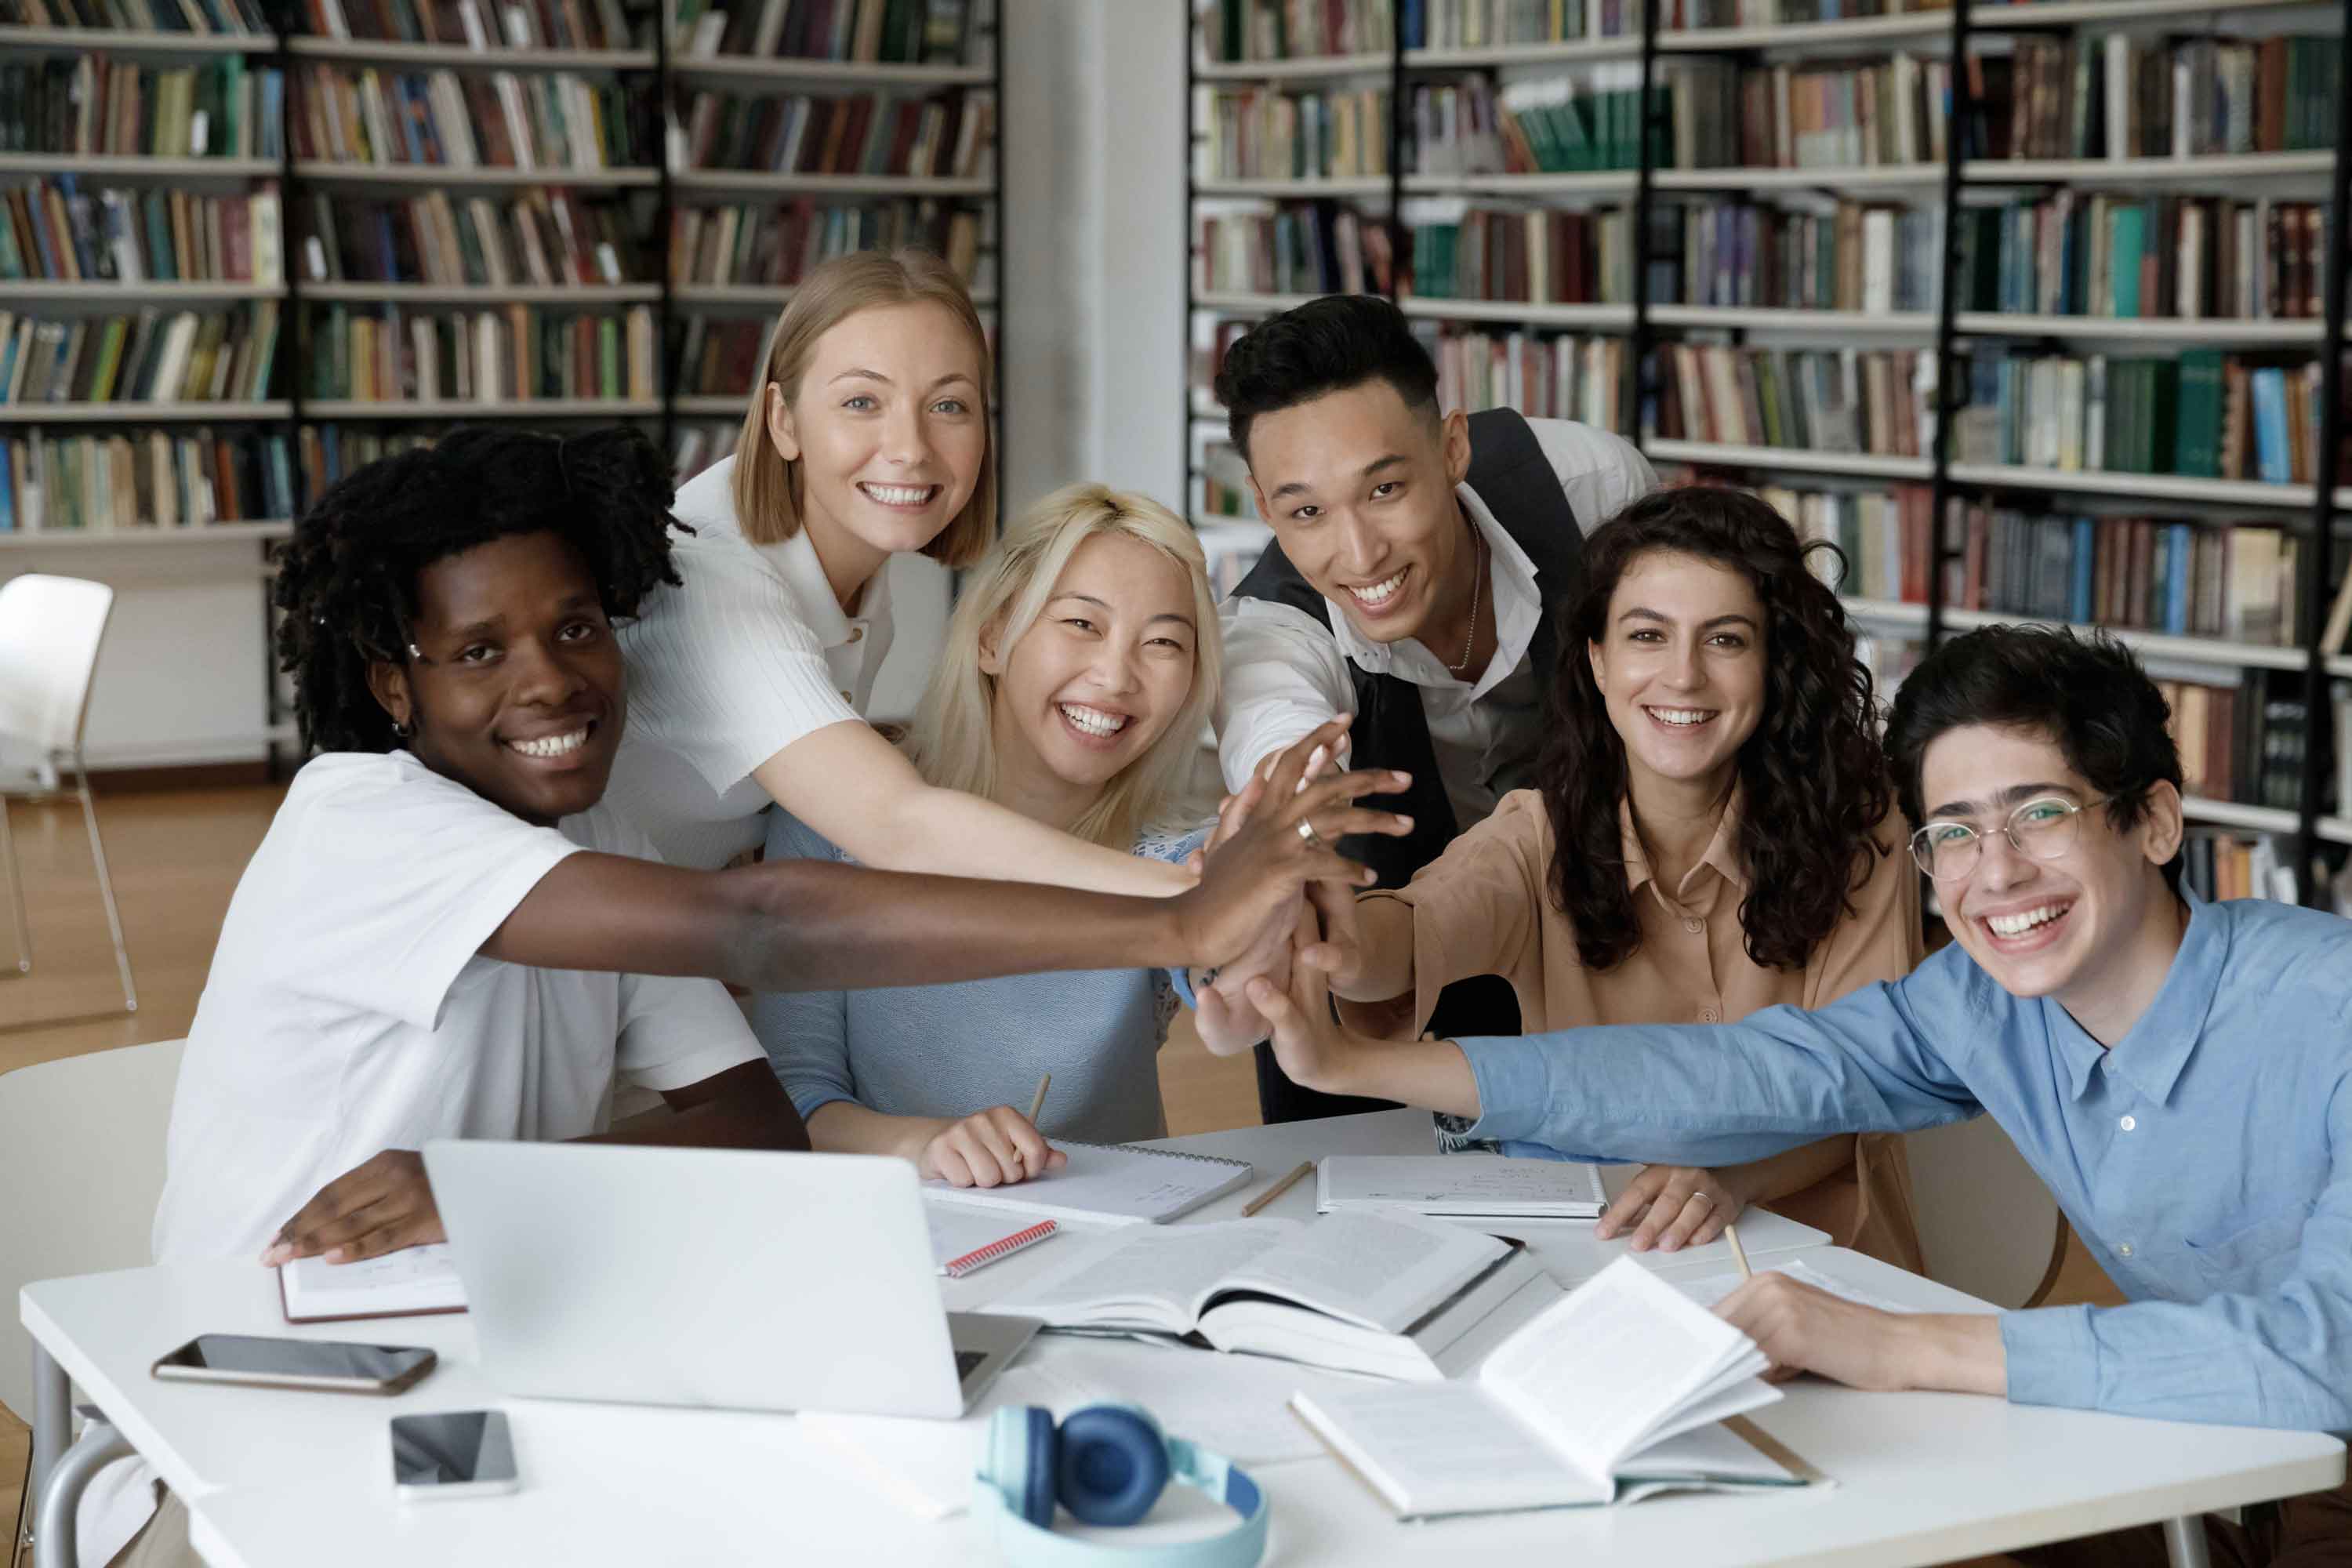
(1554, 803)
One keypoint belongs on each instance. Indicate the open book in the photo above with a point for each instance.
(1486, 1186)
(412, 1282)
(1394, 1295)
(1617, 1391)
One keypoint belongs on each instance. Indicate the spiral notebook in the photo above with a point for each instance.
(1118, 1182)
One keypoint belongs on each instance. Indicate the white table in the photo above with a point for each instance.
(276, 1480)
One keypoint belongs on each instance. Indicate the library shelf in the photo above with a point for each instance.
(2340, 664)
(1864, 176)
(143, 538)
(2211, 166)
(1592, 182)
(45, 290)
(320, 172)
(709, 181)
(1780, 320)
(1206, 406)
(2152, 645)
(1234, 304)
(1567, 52)
(146, 45)
(457, 57)
(138, 166)
(1303, 67)
(143, 413)
(2231, 813)
(2161, 329)
(1891, 614)
(1868, 465)
(1804, 34)
(1298, 190)
(483, 294)
(706, 405)
(1591, 316)
(2065, 12)
(765, 294)
(507, 408)
(2151, 487)
(738, 68)
(2336, 829)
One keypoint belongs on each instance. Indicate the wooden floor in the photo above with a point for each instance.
(177, 859)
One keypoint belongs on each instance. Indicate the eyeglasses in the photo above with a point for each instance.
(2043, 829)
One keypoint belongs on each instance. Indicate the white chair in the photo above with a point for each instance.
(1987, 1224)
(50, 628)
(75, 1211)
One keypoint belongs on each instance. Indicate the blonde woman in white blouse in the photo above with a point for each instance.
(870, 435)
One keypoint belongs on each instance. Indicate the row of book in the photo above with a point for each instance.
(1300, 248)
(482, 26)
(54, 230)
(871, 32)
(2079, 253)
(228, 18)
(1522, 254)
(947, 134)
(1283, 133)
(722, 358)
(1874, 400)
(1544, 376)
(179, 356)
(1880, 537)
(510, 354)
(469, 120)
(2216, 864)
(1545, 125)
(1496, 24)
(539, 238)
(1849, 256)
(1289, 29)
(2205, 414)
(95, 104)
(779, 242)
(157, 480)
(2118, 96)
(1842, 116)
(1240, 30)
(698, 445)
(1679, 14)
(2241, 741)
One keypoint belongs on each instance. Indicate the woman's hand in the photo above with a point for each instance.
(991, 1148)
(1677, 1205)
(376, 1208)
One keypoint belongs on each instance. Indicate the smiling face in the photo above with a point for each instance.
(890, 427)
(516, 687)
(1098, 677)
(1359, 489)
(1681, 667)
(2093, 927)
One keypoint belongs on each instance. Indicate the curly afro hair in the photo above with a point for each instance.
(346, 588)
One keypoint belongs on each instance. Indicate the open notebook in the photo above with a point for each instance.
(1115, 1182)
(412, 1282)
(1617, 1391)
(1482, 1186)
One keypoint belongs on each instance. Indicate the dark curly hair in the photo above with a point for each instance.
(1815, 779)
(346, 587)
(2086, 691)
(1323, 346)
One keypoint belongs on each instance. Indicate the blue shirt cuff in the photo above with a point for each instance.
(1514, 1090)
(2054, 1357)
(1182, 981)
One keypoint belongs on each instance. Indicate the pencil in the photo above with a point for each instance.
(1039, 1103)
(1731, 1235)
(1277, 1190)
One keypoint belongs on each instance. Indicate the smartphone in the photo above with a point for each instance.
(458, 1453)
(326, 1364)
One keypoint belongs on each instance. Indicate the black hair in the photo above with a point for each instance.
(2086, 691)
(346, 587)
(1814, 776)
(1323, 346)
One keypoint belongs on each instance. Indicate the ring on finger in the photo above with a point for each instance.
(1706, 1198)
(1307, 831)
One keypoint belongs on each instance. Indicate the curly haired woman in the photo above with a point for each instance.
(1714, 833)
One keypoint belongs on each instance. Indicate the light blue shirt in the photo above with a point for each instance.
(2206, 1160)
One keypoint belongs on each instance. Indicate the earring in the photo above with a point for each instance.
(402, 731)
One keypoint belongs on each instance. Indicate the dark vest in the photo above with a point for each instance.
(1509, 473)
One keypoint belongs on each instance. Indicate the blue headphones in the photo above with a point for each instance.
(1108, 1464)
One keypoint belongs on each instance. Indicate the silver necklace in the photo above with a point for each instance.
(1478, 588)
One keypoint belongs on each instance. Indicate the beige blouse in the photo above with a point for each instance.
(1484, 907)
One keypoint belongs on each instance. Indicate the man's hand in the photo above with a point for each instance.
(1679, 1206)
(989, 1148)
(1802, 1329)
(380, 1207)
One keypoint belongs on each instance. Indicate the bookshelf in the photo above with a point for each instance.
(594, 104)
(1946, 177)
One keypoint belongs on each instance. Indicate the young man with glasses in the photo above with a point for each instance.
(2179, 1073)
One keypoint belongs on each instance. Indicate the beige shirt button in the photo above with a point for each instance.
(857, 634)
(1694, 926)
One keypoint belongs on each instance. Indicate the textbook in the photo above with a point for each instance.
(1114, 1182)
(1390, 1295)
(1617, 1391)
(1473, 1185)
(412, 1283)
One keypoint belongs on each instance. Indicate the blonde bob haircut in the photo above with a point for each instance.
(766, 485)
(952, 741)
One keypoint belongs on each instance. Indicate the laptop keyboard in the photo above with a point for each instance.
(967, 1361)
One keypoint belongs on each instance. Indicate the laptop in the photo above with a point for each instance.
(726, 1278)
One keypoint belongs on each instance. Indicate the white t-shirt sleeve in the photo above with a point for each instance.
(1601, 473)
(1284, 676)
(402, 876)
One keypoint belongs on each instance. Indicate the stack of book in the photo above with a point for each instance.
(178, 356)
(1550, 125)
(539, 238)
(1853, 255)
(1493, 24)
(1882, 537)
(945, 135)
(1544, 377)
(1297, 134)
(870, 32)
(1300, 248)
(486, 26)
(1837, 400)
(2122, 97)
(468, 119)
(2081, 253)
(1851, 115)
(208, 18)
(1525, 254)
(2157, 575)
(1243, 30)
(2243, 740)
(722, 358)
(1680, 14)
(512, 354)
(779, 244)
(93, 104)
(158, 479)
(56, 230)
